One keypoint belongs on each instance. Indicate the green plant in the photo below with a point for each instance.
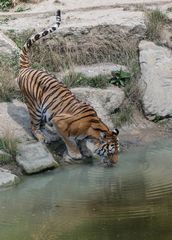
(79, 79)
(154, 20)
(120, 78)
(5, 4)
(157, 118)
(21, 9)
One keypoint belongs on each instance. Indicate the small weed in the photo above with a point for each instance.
(154, 20)
(8, 144)
(5, 5)
(21, 9)
(157, 118)
(120, 78)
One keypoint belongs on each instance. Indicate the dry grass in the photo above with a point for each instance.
(123, 115)
(8, 144)
(99, 44)
(8, 89)
(154, 20)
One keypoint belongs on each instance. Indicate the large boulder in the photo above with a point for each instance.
(7, 179)
(156, 79)
(104, 101)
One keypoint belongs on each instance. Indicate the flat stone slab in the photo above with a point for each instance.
(7, 179)
(35, 157)
(156, 79)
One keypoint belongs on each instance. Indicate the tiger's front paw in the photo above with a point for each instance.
(68, 159)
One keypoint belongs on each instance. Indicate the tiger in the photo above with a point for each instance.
(49, 101)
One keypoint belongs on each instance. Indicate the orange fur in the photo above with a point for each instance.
(50, 101)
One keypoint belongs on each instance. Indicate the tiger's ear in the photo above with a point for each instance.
(115, 132)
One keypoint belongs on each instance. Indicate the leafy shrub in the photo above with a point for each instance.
(120, 78)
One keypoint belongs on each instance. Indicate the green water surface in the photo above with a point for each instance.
(132, 201)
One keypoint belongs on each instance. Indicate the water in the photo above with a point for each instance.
(85, 202)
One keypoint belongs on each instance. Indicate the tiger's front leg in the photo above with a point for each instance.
(73, 152)
(63, 127)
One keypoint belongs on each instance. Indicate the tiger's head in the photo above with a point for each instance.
(106, 147)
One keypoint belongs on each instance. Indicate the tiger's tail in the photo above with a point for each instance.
(24, 56)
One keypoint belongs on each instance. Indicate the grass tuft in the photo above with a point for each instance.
(155, 20)
(8, 67)
(8, 144)
(5, 5)
(123, 115)
(79, 79)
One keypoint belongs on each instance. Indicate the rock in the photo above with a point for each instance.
(7, 179)
(156, 79)
(7, 46)
(104, 101)
(5, 156)
(35, 157)
(15, 119)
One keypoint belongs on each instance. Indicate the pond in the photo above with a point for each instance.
(86, 201)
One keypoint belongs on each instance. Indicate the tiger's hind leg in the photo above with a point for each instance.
(35, 121)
